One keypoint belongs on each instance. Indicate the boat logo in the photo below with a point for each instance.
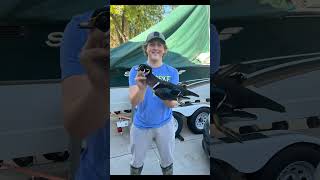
(54, 39)
(227, 33)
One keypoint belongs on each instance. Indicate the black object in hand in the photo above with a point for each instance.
(164, 90)
(99, 19)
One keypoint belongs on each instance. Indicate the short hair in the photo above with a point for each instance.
(144, 48)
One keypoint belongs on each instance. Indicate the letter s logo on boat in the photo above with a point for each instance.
(54, 39)
(227, 33)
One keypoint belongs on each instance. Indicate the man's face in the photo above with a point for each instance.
(155, 50)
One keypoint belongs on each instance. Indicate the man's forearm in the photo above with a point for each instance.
(137, 97)
(87, 113)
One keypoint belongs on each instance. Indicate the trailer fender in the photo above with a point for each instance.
(188, 110)
(253, 155)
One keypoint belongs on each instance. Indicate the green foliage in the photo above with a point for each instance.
(127, 21)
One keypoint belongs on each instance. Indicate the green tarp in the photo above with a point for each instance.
(187, 32)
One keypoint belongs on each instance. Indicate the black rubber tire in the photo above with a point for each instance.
(191, 122)
(294, 153)
(211, 166)
(23, 161)
(179, 117)
(217, 171)
(57, 157)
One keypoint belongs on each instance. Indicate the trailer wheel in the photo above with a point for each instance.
(198, 119)
(218, 170)
(178, 122)
(296, 162)
(23, 161)
(57, 157)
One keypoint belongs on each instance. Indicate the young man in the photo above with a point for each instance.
(83, 54)
(153, 117)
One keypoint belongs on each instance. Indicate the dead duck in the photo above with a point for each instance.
(163, 89)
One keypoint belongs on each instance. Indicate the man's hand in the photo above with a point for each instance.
(94, 58)
(137, 92)
(141, 80)
(85, 97)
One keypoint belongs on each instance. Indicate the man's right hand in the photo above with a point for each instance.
(141, 80)
(94, 58)
(137, 92)
(85, 96)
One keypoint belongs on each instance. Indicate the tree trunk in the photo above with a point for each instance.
(123, 28)
(122, 20)
(121, 36)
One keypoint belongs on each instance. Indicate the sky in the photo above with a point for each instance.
(167, 10)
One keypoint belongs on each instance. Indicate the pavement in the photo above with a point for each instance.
(190, 159)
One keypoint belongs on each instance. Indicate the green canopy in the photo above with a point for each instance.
(187, 35)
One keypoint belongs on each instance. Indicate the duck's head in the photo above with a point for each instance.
(146, 69)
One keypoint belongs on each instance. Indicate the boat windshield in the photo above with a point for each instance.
(225, 9)
(49, 10)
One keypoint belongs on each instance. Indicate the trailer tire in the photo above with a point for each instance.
(197, 120)
(23, 161)
(57, 157)
(300, 160)
(178, 121)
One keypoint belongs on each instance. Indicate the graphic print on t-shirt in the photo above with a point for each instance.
(164, 78)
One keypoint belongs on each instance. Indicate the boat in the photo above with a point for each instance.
(273, 48)
(31, 115)
(186, 30)
(30, 91)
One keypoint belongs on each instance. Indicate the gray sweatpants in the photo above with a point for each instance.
(141, 139)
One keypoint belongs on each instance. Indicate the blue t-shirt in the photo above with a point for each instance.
(94, 163)
(214, 50)
(152, 112)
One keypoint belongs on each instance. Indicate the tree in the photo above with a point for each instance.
(127, 21)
